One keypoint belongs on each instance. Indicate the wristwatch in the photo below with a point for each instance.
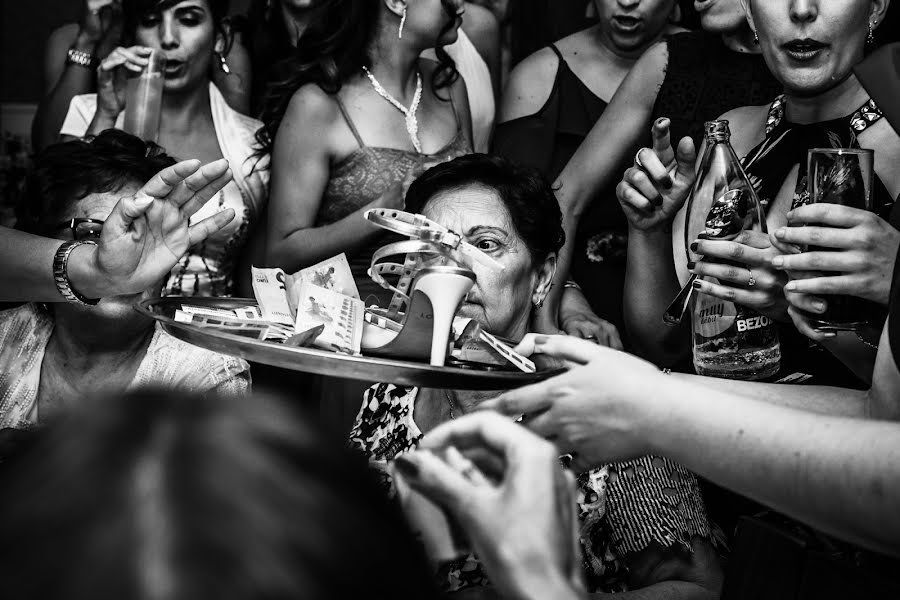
(79, 58)
(61, 273)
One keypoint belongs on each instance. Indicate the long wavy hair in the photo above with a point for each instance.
(335, 46)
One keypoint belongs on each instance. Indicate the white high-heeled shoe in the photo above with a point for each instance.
(430, 293)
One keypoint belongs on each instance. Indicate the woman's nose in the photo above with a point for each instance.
(803, 11)
(168, 34)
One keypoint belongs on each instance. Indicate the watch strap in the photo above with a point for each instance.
(61, 273)
(80, 58)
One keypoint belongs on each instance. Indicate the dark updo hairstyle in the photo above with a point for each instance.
(166, 495)
(335, 46)
(526, 194)
(134, 11)
(66, 172)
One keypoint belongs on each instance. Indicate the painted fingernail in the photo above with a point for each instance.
(406, 467)
(661, 121)
(691, 264)
(694, 246)
(790, 216)
(790, 286)
(778, 261)
(780, 232)
(819, 307)
(667, 182)
(697, 284)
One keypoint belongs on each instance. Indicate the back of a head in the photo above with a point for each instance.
(66, 172)
(165, 496)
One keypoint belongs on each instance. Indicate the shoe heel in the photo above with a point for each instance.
(445, 288)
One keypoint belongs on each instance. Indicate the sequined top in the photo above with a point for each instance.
(362, 177)
(168, 362)
(622, 507)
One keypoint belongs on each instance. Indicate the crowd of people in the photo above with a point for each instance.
(570, 167)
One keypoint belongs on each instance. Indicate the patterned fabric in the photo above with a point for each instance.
(546, 140)
(362, 177)
(768, 165)
(623, 507)
(705, 79)
(208, 269)
(169, 362)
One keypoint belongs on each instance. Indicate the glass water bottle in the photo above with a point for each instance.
(730, 341)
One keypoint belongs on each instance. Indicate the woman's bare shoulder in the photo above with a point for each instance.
(529, 85)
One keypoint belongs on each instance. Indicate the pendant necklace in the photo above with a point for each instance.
(412, 123)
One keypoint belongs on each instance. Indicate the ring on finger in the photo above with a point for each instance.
(590, 336)
(637, 158)
(752, 281)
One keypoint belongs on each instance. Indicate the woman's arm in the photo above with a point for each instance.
(301, 162)
(614, 137)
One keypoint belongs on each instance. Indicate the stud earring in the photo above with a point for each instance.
(870, 39)
(224, 65)
(402, 23)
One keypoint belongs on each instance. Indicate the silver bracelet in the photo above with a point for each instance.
(61, 273)
(572, 284)
(80, 58)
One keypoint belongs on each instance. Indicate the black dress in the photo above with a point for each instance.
(705, 79)
(768, 165)
(546, 141)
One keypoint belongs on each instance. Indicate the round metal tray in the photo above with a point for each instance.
(322, 362)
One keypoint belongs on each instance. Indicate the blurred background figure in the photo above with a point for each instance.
(195, 122)
(161, 494)
(52, 355)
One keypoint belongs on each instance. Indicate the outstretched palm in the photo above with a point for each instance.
(146, 234)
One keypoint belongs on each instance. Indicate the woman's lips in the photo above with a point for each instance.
(803, 50)
(173, 67)
(702, 5)
(626, 24)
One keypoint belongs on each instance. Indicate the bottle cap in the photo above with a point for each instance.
(717, 131)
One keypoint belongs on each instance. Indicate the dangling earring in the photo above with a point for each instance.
(539, 303)
(223, 64)
(755, 37)
(402, 23)
(870, 39)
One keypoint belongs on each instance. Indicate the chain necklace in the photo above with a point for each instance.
(412, 123)
(449, 403)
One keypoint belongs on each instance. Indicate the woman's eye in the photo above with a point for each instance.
(190, 21)
(487, 245)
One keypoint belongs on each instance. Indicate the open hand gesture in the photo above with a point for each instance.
(146, 234)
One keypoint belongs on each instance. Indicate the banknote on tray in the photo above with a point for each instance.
(332, 274)
(341, 316)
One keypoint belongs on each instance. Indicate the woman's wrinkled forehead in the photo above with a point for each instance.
(466, 209)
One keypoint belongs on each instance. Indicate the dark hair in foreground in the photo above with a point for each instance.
(335, 46)
(66, 172)
(527, 195)
(163, 495)
(135, 11)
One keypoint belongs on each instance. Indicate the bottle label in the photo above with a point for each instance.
(751, 323)
(713, 316)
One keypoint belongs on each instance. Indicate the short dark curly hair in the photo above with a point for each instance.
(65, 173)
(526, 194)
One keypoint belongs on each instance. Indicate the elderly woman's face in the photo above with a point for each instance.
(501, 300)
(186, 35)
(811, 45)
(97, 207)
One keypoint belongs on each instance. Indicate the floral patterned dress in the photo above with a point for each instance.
(622, 507)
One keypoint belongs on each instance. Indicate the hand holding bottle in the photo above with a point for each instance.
(742, 271)
(655, 188)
